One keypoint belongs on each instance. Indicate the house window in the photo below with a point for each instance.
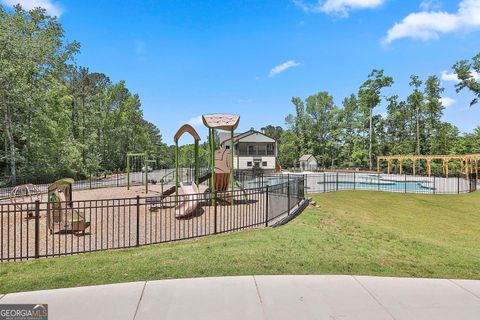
(249, 164)
(271, 149)
(264, 163)
(251, 150)
(261, 150)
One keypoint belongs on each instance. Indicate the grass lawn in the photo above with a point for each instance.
(353, 232)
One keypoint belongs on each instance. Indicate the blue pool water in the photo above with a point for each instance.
(319, 183)
(383, 186)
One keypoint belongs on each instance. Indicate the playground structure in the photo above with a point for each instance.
(229, 123)
(138, 168)
(221, 164)
(29, 192)
(220, 167)
(60, 211)
(469, 163)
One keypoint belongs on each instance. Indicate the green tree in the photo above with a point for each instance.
(370, 97)
(433, 110)
(274, 132)
(463, 69)
(398, 122)
(290, 151)
(415, 102)
(33, 51)
(57, 118)
(350, 123)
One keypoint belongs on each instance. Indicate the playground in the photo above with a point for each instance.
(144, 207)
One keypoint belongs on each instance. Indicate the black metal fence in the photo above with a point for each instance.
(45, 229)
(335, 181)
(106, 180)
(116, 179)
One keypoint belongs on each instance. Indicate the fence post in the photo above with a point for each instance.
(117, 177)
(458, 183)
(266, 207)
(138, 221)
(90, 180)
(324, 174)
(434, 183)
(405, 187)
(337, 181)
(288, 196)
(354, 181)
(214, 212)
(37, 229)
(305, 182)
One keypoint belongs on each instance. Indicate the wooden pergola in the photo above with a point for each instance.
(468, 162)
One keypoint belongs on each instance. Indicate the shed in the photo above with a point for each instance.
(308, 162)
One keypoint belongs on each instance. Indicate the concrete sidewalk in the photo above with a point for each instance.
(265, 297)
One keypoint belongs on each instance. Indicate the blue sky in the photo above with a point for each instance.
(249, 57)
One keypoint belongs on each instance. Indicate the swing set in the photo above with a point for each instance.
(138, 168)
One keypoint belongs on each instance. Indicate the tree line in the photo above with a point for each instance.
(353, 135)
(58, 118)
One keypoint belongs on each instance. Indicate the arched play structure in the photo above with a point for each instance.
(25, 193)
(220, 165)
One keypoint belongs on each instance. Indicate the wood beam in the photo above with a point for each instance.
(476, 168)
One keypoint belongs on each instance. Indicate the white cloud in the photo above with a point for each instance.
(51, 8)
(196, 121)
(452, 77)
(429, 25)
(340, 7)
(302, 5)
(447, 102)
(282, 67)
(428, 5)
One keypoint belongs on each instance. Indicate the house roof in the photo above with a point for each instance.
(225, 137)
(306, 157)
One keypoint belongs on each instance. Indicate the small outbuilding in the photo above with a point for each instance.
(308, 163)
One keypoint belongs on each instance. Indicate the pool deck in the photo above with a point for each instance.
(264, 297)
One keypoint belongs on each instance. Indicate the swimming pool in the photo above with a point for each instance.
(361, 182)
(398, 186)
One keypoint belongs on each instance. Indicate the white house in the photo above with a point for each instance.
(308, 162)
(253, 150)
